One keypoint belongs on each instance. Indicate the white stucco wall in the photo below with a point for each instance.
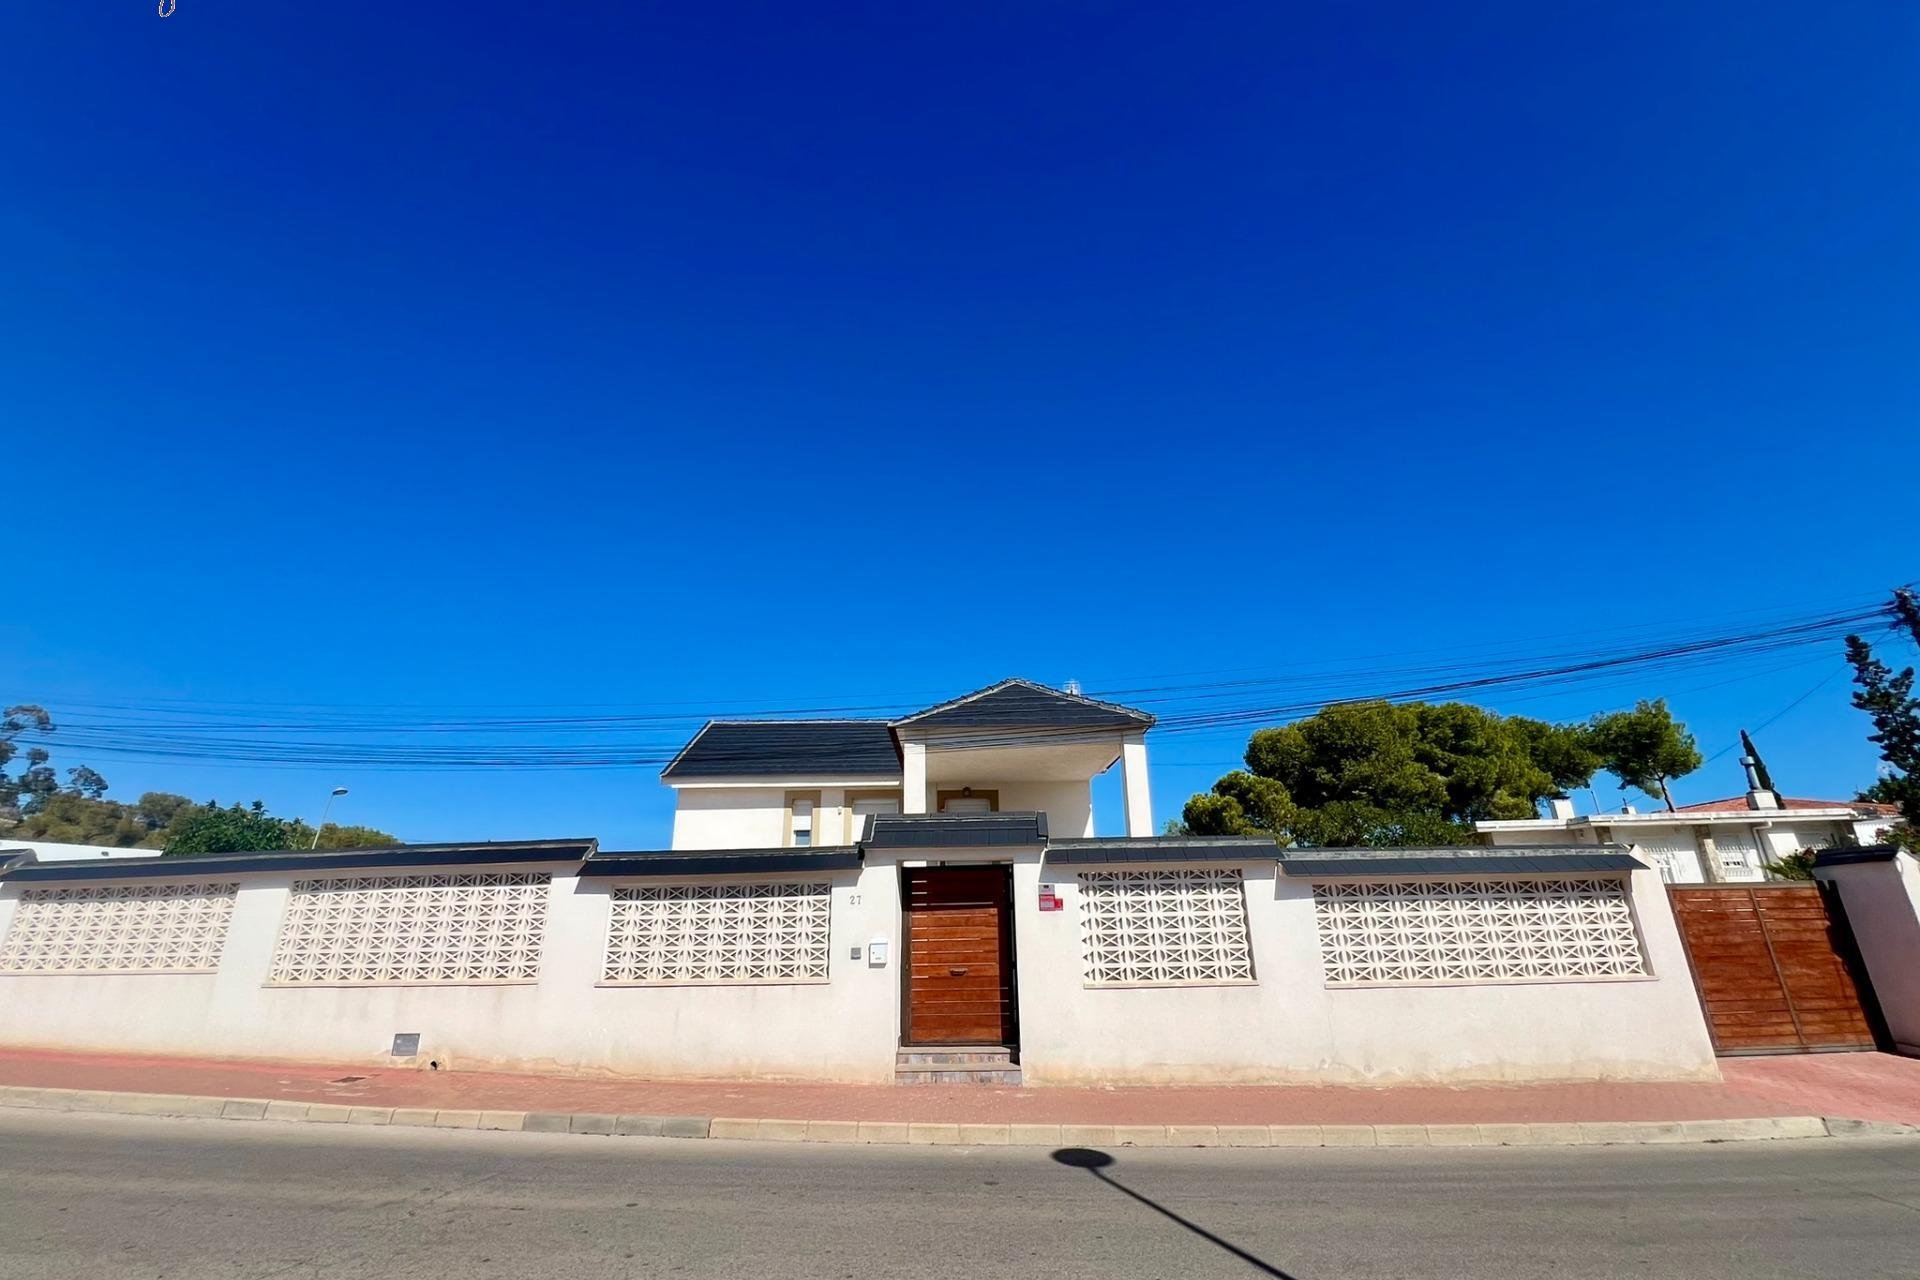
(1882, 902)
(1677, 847)
(1289, 1027)
(1872, 830)
(1068, 805)
(730, 818)
(845, 1029)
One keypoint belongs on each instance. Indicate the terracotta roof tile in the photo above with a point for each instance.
(1738, 804)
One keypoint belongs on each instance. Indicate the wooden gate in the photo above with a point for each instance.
(1775, 967)
(959, 963)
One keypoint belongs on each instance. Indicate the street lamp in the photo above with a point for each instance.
(337, 793)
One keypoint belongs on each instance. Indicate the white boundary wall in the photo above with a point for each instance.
(838, 1030)
(1882, 902)
(1286, 1027)
(1290, 1027)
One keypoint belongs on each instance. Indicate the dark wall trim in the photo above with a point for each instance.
(1119, 852)
(1327, 864)
(1870, 853)
(949, 831)
(720, 862)
(345, 859)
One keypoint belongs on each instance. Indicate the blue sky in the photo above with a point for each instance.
(461, 356)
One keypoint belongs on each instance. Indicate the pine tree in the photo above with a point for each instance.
(1887, 698)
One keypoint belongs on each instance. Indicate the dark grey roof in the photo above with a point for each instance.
(791, 748)
(1459, 860)
(1866, 853)
(1162, 849)
(205, 864)
(1022, 704)
(719, 862)
(955, 831)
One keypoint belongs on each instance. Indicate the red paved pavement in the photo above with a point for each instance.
(1865, 1086)
(1859, 1086)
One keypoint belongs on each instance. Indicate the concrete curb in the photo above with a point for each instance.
(895, 1133)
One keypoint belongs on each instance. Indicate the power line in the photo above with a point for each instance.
(1823, 683)
(371, 737)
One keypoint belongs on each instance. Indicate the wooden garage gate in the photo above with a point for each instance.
(1775, 967)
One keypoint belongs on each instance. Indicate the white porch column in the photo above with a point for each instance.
(1133, 769)
(913, 777)
(830, 819)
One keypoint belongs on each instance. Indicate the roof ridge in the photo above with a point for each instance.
(801, 720)
(1009, 682)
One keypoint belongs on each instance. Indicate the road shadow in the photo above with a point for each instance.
(1097, 1164)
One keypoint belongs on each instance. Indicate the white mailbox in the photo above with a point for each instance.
(877, 953)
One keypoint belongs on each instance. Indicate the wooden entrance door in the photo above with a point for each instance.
(1775, 969)
(959, 969)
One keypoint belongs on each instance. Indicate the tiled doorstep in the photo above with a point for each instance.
(1604, 1133)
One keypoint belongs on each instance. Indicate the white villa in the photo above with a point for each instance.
(925, 898)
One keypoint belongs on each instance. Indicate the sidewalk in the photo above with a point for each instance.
(1862, 1087)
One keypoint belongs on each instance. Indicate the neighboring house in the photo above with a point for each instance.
(1714, 841)
(917, 899)
(50, 851)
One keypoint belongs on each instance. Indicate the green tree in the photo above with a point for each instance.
(234, 829)
(160, 809)
(27, 790)
(34, 806)
(209, 828)
(1797, 865)
(1887, 698)
(335, 836)
(72, 818)
(1646, 748)
(1375, 773)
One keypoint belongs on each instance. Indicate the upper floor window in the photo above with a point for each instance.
(800, 810)
(968, 801)
(1739, 855)
(861, 808)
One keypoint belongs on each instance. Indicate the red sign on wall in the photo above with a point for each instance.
(1049, 898)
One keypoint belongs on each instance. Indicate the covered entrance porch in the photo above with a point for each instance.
(959, 975)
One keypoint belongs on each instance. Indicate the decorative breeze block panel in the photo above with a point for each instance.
(1477, 930)
(366, 930)
(146, 928)
(719, 933)
(1163, 928)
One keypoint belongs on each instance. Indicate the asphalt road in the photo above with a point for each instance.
(109, 1196)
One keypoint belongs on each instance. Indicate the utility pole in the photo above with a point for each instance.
(1907, 606)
